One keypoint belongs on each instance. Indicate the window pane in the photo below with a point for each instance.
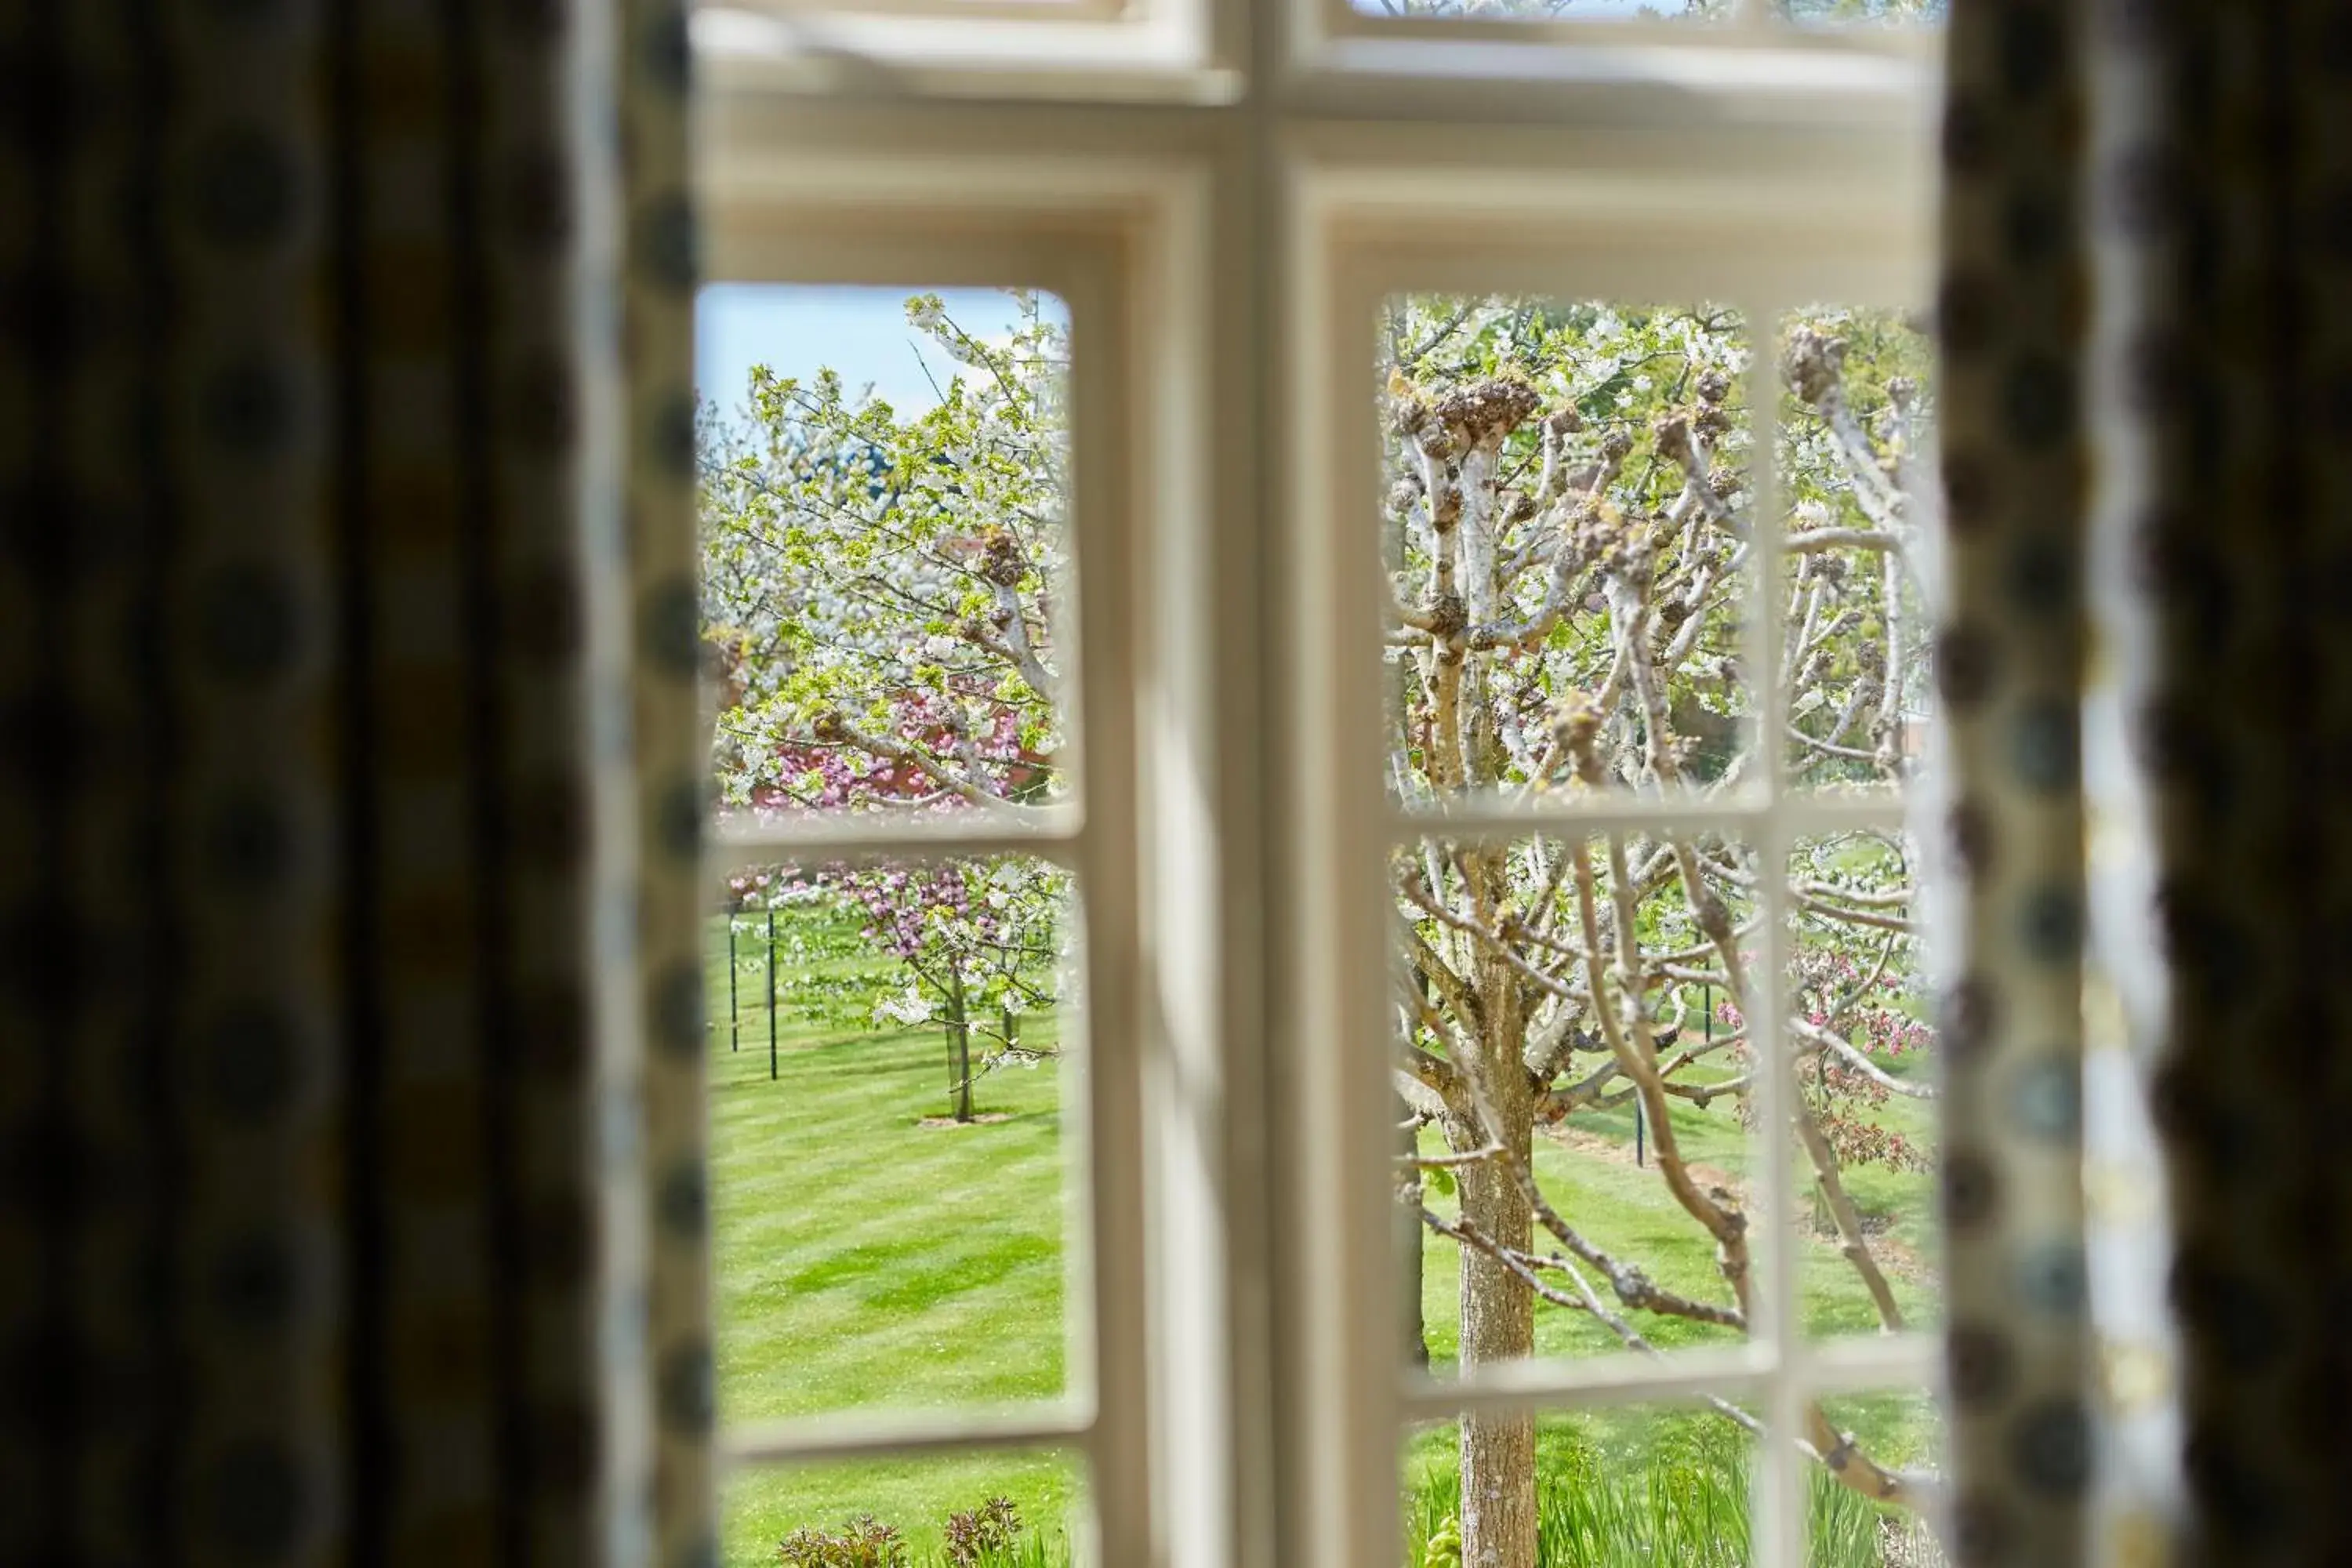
(1868, 12)
(968, 10)
(988, 1509)
(1875, 1506)
(1629, 1114)
(1704, 12)
(1640, 1485)
(1863, 1056)
(891, 1185)
(1564, 515)
(1857, 471)
(886, 547)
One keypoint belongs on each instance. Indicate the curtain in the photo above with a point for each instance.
(2148, 359)
(2011, 329)
(350, 1008)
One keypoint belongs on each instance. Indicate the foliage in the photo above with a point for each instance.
(825, 972)
(1573, 544)
(986, 935)
(1690, 1506)
(863, 1541)
(882, 598)
(990, 1536)
(979, 1537)
(882, 594)
(1810, 12)
(1570, 530)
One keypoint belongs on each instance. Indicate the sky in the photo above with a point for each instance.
(798, 328)
(1576, 10)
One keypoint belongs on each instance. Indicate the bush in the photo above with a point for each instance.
(864, 1542)
(977, 1538)
(990, 1536)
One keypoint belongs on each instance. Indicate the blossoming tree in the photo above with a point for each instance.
(1570, 535)
(879, 601)
(1568, 526)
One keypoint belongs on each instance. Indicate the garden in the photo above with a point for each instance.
(1568, 528)
(866, 1260)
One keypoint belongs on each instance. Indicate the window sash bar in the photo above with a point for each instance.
(1620, 1379)
(760, 840)
(1829, 1366)
(1799, 814)
(1868, 1362)
(869, 1434)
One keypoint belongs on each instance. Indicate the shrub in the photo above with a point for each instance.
(864, 1542)
(974, 1536)
(989, 1536)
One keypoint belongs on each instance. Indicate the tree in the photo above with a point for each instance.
(1567, 524)
(879, 603)
(882, 592)
(982, 941)
(1699, 11)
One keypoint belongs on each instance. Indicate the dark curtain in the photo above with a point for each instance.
(2148, 348)
(350, 1205)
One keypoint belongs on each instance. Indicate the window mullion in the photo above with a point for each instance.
(1106, 513)
(1780, 1489)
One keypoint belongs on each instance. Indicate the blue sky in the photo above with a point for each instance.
(1576, 10)
(798, 328)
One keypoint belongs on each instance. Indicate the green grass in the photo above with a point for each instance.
(1627, 1211)
(760, 1509)
(863, 1262)
(1638, 1487)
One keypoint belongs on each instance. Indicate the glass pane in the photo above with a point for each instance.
(1564, 514)
(1703, 12)
(892, 1050)
(1863, 1054)
(1875, 1506)
(1856, 465)
(1865, 13)
(1640, 1485)
(1627, 1114)
(991, 1509)
(1039, 10)
(885, 550)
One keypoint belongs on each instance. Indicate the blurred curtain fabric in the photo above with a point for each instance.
(2012, 337)
(350, 1205)
(2230, 186)
(2147, 320)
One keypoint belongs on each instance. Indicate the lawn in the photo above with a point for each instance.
(865, 1261)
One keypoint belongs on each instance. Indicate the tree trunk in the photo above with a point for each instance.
(959, 1052)
(1409, 1251)
(1498, 1451)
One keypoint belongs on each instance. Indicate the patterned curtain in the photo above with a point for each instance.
(2148, 660)
(350, 1013)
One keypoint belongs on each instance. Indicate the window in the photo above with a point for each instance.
(1282, 233)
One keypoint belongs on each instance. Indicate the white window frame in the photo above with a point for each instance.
(1463, 216)
(1224, 206)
